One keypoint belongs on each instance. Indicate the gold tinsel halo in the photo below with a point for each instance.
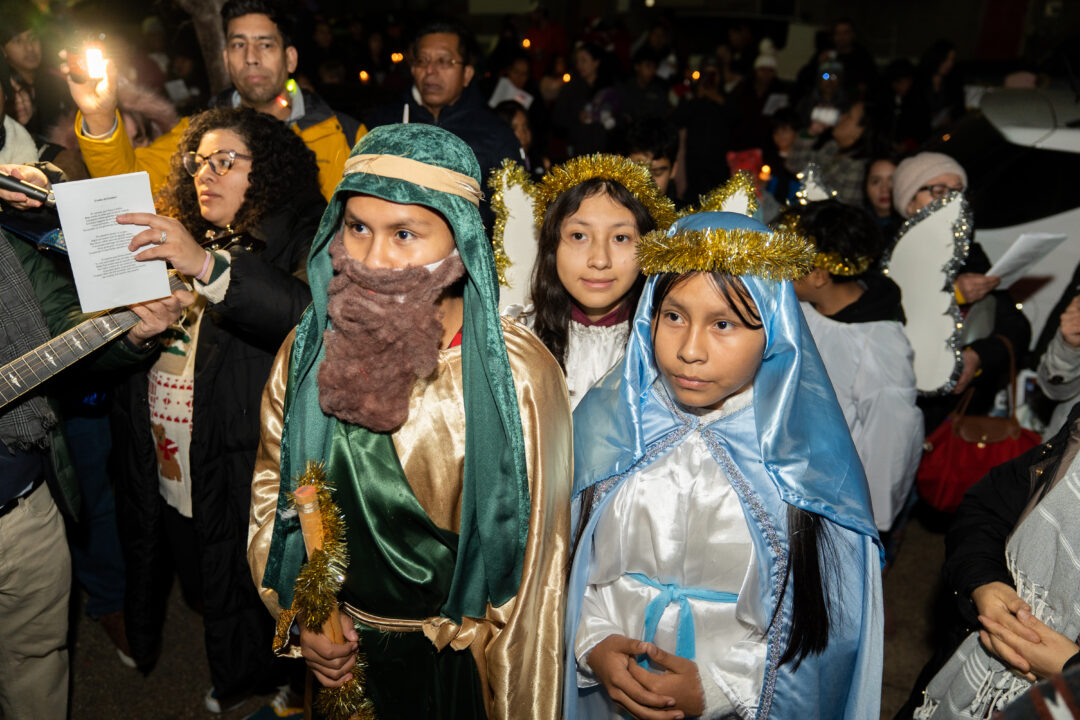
(836, 264)
(713, 201)
(633, 176)
(772, 255)
(832, 262)
(315, 595)
(508, 174)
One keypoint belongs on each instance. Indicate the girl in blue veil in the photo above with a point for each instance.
(726, 560)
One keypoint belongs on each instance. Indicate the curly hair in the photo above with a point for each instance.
(550, 299)
(282, 168)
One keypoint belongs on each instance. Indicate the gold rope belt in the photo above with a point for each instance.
(381, 623)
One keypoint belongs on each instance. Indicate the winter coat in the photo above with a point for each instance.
(238, 339)
(490, 139)
(329, 134)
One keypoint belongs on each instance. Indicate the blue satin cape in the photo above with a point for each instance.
(794, 448)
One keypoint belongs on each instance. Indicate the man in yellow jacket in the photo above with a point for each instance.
(260, 56)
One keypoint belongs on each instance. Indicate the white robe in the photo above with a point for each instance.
(679, 521)
(591, 350)
(870, 366)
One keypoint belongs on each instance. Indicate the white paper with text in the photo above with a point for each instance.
(106, 272)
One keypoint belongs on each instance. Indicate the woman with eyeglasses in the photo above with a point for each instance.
(918, 181)
(186, 430)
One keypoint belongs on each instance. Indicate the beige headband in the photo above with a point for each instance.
(418, 173)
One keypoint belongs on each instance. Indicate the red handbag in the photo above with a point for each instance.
(963, 449)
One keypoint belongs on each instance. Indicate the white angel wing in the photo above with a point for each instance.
(814, 185)
(931, 247)
(515, 233)
(737, 195)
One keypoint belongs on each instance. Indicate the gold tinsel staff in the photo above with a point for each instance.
(318, 584)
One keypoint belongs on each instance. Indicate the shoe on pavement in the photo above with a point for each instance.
(113, 625)
(286, 704)
(218, 705)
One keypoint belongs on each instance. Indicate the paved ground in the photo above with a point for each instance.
(103, 688)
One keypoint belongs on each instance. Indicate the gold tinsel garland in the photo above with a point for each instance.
(633, 176)
(508, 174)
(836, 264)
(315, 596)
(772, 255)
(832, 262)
(713, 201)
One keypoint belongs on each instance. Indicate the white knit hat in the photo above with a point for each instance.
(915, 171)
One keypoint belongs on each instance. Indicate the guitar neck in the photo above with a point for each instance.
(35, 367)
(25, 373)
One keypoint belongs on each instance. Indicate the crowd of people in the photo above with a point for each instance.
(666, 486)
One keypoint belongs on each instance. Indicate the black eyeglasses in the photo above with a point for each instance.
(939, 190)
(221, 161)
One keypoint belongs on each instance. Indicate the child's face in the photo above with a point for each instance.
(783, 137)
(387, 235)
(521, 129)
(597, 254)
(879, 186)
(661, 168)
(705, 353)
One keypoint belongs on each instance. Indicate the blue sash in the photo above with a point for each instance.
(684, 643)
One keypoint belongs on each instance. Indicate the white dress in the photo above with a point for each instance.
(591, 350)
(870, 366)
(679, 521)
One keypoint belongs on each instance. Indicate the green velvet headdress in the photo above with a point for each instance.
(495, 502)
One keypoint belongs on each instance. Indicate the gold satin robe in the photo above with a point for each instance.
(517, 646)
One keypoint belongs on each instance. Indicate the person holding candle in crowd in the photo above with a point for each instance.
(260, 55)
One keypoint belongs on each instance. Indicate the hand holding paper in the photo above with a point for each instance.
(106, 273)
(167, 239)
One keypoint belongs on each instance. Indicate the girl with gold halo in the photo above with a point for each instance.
(591, 211)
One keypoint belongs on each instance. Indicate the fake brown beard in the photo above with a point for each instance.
(386, 330)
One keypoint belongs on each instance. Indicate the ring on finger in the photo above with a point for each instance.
(161, 240)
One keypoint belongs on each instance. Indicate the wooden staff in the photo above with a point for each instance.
(307, 506)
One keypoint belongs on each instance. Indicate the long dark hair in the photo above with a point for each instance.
(550, 299)
(282, 168)
(809, 542)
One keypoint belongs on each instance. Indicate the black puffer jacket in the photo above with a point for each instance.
(237, 342)
(490, 139)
